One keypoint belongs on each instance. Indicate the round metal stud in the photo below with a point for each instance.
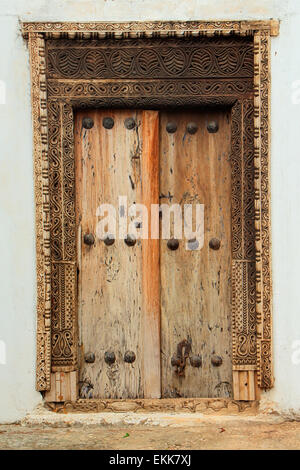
(212, 127)
(87, 123)
(109, 357)
(108, 122)
(214, 243)
(89, 358)
(173, 244)
(171, 127)
(129, 357)
(89, 239)
(130, 240)
(216, 360)
(196, 361)
(192, 128)
(193, 244)
(109, 240)
(129, 123)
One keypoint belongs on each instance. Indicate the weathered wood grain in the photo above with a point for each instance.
(63, 387)
(150, 258)
(110, 282)
(196, 285)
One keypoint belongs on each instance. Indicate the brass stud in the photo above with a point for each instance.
(130, 240)
(108, 122)
(171, 127)
(109, 357)
(216, 360)
(196, 361)
(89, 358)
(192, 128)
(193, 244)
(87, 123)
(129, 123)
(214, 243)
(173, 244)
(129, 357)
(212, 127)
(109, 240)
(89, 239)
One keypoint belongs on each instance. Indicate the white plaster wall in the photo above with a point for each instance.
(17, 261)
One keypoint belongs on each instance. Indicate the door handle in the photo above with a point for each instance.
(179, 360)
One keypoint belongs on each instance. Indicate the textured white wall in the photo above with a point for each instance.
(17, 265)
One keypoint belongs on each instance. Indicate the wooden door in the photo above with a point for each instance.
(142, 306)
(196, 284)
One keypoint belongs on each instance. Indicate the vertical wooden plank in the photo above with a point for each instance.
(236, 385)
(51, 394)
(196, 284)
(243, 376)
(108, 165)
(150, 259)
(245, 384)
(63, 387)
(73, 386)
(251, 385)
(58, 394)
(65, 391)
(257, 388)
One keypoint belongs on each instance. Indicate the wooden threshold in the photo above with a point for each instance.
(220, 406)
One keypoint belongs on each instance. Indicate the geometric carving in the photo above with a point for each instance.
(262, 206)
(101, 30)
(157, 59)
(42, 213)
(218, 63)
(64, 329)
(243, 314)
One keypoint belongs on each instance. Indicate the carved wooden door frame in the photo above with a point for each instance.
(70, 69)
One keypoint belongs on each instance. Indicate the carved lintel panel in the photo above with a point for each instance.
(215, 64)
(157, 59)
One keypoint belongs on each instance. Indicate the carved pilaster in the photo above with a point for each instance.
(42, 210)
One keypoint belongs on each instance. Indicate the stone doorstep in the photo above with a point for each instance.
(179, 412)
(44, 417)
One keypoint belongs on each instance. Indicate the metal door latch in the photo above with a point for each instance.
(179, 360)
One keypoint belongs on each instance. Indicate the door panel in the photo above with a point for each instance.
(110, 282)
(196, 284)
(146, 298)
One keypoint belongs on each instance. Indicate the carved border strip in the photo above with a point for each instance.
(187, 405)
(149, 28)
(262, 206)
(261, 32)
(42, 209)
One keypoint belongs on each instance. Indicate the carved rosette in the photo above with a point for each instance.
(218, 63)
